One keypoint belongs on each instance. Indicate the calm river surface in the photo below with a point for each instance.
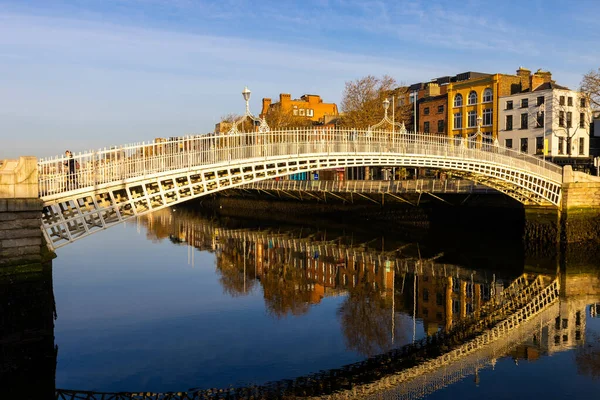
(180, 302)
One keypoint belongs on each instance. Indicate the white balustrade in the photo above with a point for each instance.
(139, 160)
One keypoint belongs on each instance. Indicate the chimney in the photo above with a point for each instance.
(433, 89)
(285, 97)
(540, 77)
(524, 74)
(265, 106)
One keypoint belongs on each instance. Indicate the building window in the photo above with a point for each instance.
(487, 95)
(457, 120)
(524, 121)
(472, 97)
(569, 119)
(509, 105)
(540, 100)
(439, 299)
(487, 117)
(508, 143)
(582, 102)
(302, 112)
(425, 295)
(509, 122)
(561, 145)
(539, 145)
(540, 119)
(295, 111)
(570, 102)
(581, 146)
(440, 126)
(456, 306)
(426, 111)
(524, 145)
(440, 109)
(458, 101)
(561, 118)
(471, 119)
(426, 127)
(561, 100)
(310, 112)
(582, 120)
(524, 103)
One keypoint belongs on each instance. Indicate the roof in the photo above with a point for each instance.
(550, 85)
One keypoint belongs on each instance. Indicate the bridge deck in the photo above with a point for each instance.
(111, 186)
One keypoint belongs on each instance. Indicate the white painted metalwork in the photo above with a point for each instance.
(263, 127)
(112, 185)
(362, 186)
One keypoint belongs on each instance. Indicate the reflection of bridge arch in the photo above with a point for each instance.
(399, 373)
(520, 311)
(118, 184)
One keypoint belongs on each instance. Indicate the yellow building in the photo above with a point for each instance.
(470, 99)
(309, 106)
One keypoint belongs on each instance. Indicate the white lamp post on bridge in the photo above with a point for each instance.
(262, 128)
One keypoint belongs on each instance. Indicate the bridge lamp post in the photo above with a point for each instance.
(246, 94)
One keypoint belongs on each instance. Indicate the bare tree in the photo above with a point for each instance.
(362, 102)
(228, 120)
(590, 87)
(573, 114)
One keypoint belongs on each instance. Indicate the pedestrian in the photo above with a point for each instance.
(71, 165)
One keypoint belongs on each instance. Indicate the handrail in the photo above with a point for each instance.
(97, 167)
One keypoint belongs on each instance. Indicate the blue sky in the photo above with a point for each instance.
(84, 74)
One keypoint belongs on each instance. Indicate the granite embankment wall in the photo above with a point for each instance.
(21, 238)
(580, 220)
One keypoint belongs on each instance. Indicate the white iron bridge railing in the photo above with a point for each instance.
(59, 175)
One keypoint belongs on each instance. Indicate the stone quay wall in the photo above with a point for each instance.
(21, 238)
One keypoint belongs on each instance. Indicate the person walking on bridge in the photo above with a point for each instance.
(71, 165)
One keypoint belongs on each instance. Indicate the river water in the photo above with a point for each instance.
(181, 301)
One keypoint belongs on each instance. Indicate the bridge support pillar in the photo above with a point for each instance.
(580, 206)
(20, 213)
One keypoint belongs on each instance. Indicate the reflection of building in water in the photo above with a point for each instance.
(444, 300)
(565, 331)
(314, 268)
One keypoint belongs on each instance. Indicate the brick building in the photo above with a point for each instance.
(309, 106)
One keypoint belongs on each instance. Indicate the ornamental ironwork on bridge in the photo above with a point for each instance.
(109, 186)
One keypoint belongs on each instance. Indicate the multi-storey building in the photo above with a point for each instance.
(547, 120)
(474, 104)
(309, 106)
(432, 91)
(432, 111)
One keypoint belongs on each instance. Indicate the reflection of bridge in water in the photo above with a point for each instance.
(482, 323)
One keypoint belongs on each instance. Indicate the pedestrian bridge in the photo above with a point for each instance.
(112, 185)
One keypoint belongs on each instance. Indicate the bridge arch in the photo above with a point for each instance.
(117, 184)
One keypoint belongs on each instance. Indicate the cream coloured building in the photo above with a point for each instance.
(549, 120)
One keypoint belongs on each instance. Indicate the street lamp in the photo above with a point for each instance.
(262, 122)
(246, 94)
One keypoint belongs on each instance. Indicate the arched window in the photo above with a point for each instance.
(458, 100)
(472, 97)
(487, 95)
